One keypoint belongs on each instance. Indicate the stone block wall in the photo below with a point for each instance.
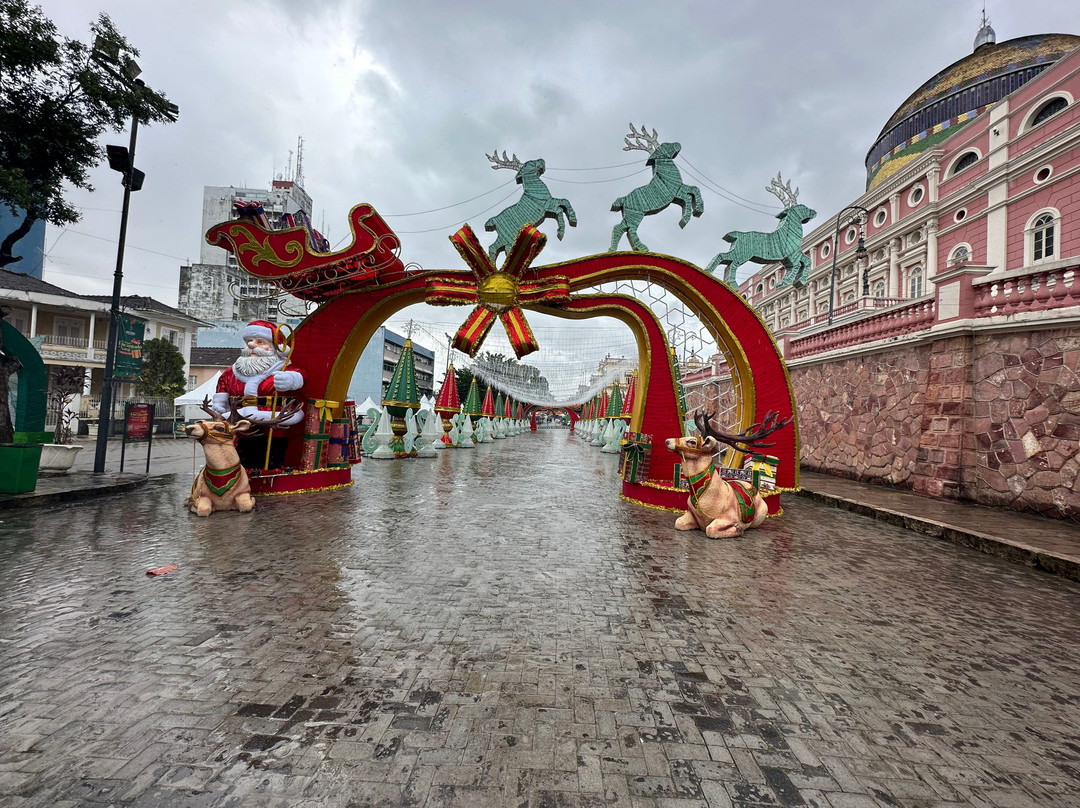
(991, 417)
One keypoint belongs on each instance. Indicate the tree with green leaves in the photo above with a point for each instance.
(57, 96)
(162, 370)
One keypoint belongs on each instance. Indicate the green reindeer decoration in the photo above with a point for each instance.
(783, 245)
(665, 187)
(536, 204)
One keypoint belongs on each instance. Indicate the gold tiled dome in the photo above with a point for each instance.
(983, 64)
(960, 92)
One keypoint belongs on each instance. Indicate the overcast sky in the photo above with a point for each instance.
(398, 102)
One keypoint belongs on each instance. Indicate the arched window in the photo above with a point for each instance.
(966, 161)
(960, 254)
(1049, 110)
(1042, 237)
(879, 289)
(915, 283)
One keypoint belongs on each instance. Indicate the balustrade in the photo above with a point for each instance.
(890, 323)
(1037, 290)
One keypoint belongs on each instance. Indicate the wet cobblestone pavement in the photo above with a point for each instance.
(496, 628)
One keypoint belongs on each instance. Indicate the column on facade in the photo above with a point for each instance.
(894, 268)
(931, 254)
(33, 320)
(933, 180)
(90, 339)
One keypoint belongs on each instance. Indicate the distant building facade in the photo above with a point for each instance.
(377, 363)
(207, 287)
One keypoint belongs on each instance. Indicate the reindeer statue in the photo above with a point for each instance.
(222, 484)
(722, 508)
(665, 187)
(536, 204)
(783, 245)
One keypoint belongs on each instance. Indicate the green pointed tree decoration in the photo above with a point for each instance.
(473, 403)
(614, 405)
(403, 394)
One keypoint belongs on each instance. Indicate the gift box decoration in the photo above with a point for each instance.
(314, 454)
(354, 437)
(337, 452)
(637, 450)
(762, 468)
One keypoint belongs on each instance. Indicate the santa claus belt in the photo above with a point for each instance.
(256, 401)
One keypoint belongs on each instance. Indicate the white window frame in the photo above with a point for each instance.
(951, 171)
(912, 274)
(1037, 107)
(69, 321)
(952, 253)
(1029, 237)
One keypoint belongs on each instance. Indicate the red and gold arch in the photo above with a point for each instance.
(360, 287)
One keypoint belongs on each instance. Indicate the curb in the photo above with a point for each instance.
(33, 499)
(1012, 551)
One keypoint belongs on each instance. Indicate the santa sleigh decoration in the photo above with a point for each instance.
(293, 258)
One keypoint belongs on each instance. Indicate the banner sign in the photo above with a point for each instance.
(129, 342)
(138, 421)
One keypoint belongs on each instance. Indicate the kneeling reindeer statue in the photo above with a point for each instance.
(722, 508)
(222, 484)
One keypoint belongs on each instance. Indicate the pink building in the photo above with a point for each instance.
(952, 363)
(992, 181)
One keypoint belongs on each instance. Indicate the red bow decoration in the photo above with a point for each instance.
(497, 292)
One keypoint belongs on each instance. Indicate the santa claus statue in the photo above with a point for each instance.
(257, 375)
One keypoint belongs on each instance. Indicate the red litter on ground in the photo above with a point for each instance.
(163, 570)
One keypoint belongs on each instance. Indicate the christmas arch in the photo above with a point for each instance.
(360, 287)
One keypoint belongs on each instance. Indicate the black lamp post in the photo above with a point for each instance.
(122, 160)
(860, 217)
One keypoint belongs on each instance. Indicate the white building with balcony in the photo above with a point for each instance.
(71, 329)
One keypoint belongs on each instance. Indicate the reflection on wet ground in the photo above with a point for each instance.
(496, 627)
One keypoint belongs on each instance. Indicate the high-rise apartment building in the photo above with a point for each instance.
(216, 288)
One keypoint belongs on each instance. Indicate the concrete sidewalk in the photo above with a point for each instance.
(1035, 541)
(168, 456)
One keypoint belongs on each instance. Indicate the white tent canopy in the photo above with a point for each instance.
(195, 397)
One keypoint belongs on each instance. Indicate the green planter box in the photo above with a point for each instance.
(19, 467)
(34, 437)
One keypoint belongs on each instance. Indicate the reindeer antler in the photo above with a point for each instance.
(513, 163)
(787, 197)
(752, 437)
(642, 141)
(205, 406)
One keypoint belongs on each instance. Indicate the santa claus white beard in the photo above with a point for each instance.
(255, 361)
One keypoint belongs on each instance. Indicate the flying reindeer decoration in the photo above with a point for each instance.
(722, 508)
(536, 204)
(783, 245)
(222, 484)
(665, 187)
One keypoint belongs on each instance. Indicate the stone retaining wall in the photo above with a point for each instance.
(989, 417)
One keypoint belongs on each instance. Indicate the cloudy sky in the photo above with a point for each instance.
(398, 102)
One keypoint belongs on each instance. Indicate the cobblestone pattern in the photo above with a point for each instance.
(994, 419)
(496, 628)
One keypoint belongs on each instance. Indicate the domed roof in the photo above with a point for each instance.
(984, 63)
(967, 86)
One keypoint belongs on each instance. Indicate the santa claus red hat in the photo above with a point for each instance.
(265, 330)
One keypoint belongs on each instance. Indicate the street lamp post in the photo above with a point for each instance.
(861, 214)
(122, 160)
